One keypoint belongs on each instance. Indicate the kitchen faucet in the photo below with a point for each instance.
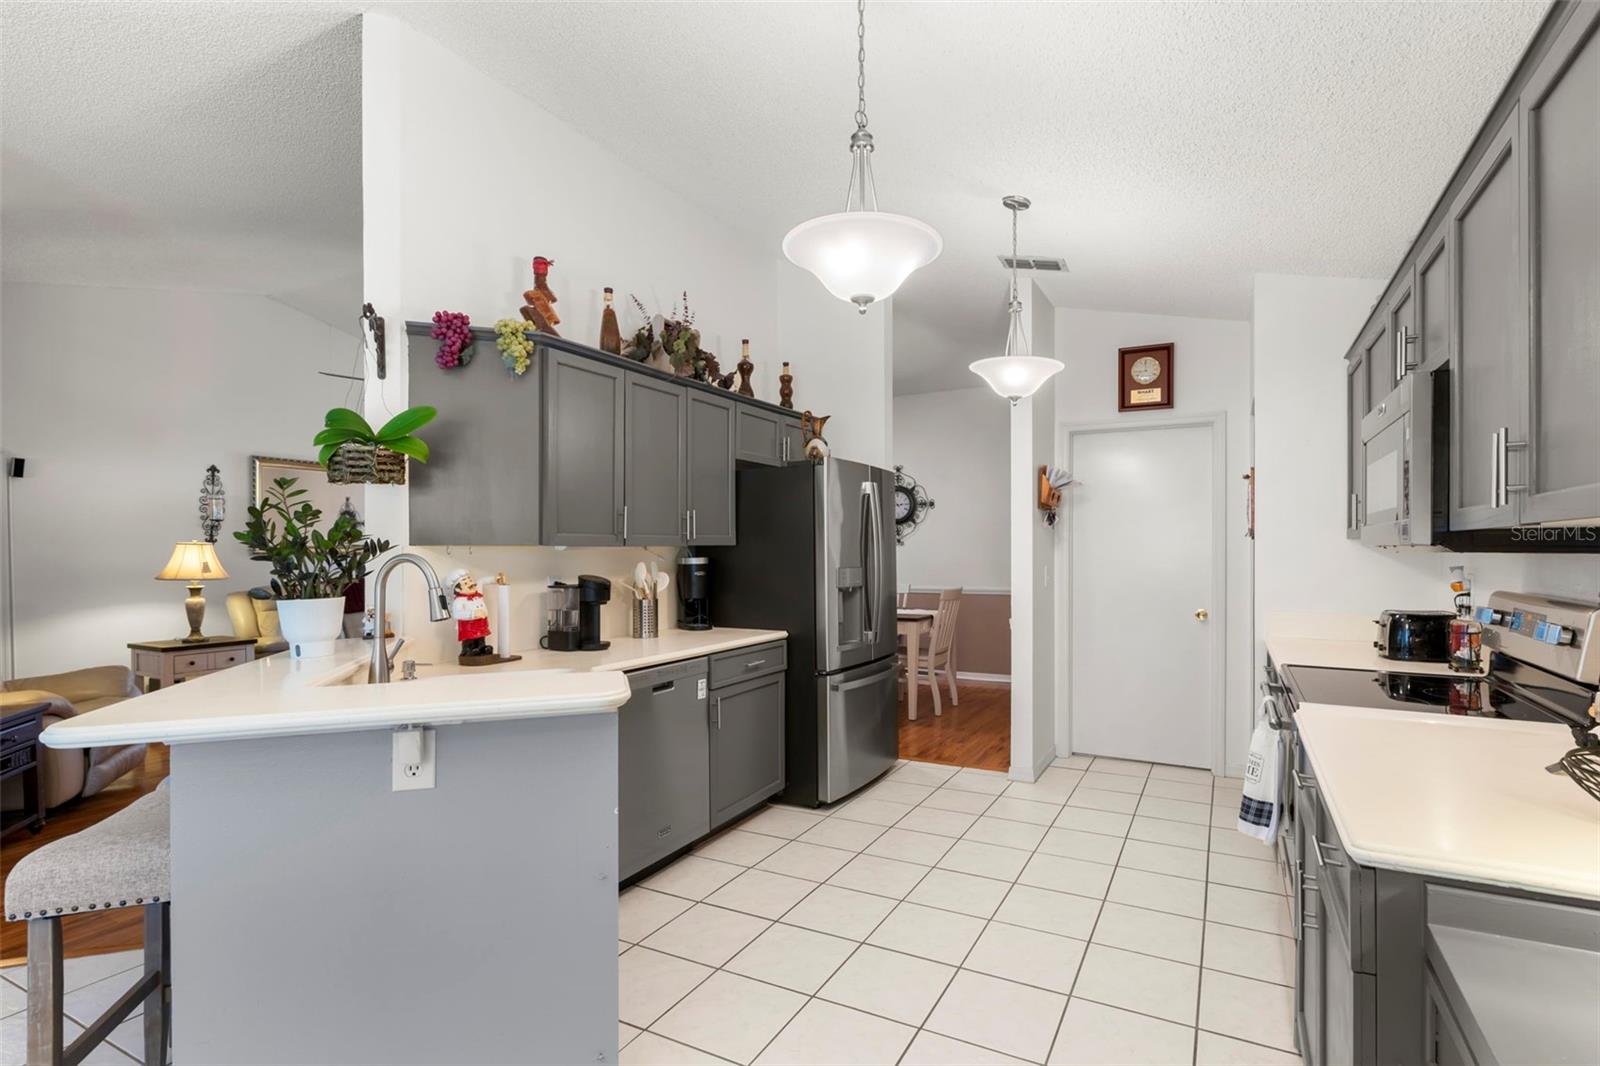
(438, 611)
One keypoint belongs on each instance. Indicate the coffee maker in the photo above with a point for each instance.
(694, 592)
(572, 614)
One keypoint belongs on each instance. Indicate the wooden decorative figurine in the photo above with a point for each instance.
(745, 368)
(540, 307)
(610, 332)
(811, 428)
(786, 388)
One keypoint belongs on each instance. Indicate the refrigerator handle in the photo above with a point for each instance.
(875, 576)
(869, 611)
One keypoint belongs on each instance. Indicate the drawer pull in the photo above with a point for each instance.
(1322, 859)
(1305, 782)
(758, 662)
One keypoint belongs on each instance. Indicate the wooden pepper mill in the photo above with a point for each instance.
(540, 306)
(745, 368)
(786, 388)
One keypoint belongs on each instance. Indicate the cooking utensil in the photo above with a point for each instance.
(641, 579)
(662, 581)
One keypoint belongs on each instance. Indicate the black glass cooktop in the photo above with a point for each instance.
(1516, 691)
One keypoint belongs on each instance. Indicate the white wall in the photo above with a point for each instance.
(1033, 658)
(119, 399)
(958, 446)
(1211, 368)
(1303, 327)
(446, 231)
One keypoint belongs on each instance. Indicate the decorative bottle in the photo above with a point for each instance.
(786, 388)
(610, 333)
(745, 368)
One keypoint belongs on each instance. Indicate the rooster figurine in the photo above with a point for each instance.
(540, 308)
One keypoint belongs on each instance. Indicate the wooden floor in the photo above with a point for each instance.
(85, 934)
(977, 733)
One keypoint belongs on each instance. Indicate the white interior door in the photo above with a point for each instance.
(1141, 578)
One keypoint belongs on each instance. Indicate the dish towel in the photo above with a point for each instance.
(1258, 808)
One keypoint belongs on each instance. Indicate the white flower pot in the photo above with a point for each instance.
(311, 626)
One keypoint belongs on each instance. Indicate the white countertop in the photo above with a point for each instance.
(1465, 798)
(280, 696)
(1348, 655)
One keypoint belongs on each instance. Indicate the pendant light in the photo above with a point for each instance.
(1016, 374)
(862, 254)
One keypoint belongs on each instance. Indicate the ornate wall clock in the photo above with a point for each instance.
(1144, 377)
(911, 504)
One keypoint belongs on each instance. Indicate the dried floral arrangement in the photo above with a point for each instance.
(673, 344)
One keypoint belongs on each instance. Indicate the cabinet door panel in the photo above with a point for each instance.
(759, 436)
(746, 746)
(583, 454)
(1355, 407)
(1433, 294)
(1404, 345)
(710, 468)
(1562, 124)
(655, 481)
(794, 442)
(1489, 302)
(1378, 358)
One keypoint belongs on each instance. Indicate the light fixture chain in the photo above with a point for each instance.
(861, 64)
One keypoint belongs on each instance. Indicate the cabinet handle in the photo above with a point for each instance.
(686, 525)
(1305, 782)
(694, 523)
(1494, 469)
(1403, 339)
(716, 713)
(1323, 860)
(753, 665)
(1305, 916)
(1503, 446)
(624, 522)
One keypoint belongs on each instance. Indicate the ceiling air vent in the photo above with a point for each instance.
(1035, 262)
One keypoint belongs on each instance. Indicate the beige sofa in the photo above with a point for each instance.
(67, 773)
(255, 614)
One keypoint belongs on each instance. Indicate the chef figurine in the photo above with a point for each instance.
(471, 615)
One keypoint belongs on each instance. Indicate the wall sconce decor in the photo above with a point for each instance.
(213, 504)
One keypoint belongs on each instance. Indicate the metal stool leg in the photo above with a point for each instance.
(45, 981)
(158, 1004)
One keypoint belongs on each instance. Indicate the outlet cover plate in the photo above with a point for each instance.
(403, 780)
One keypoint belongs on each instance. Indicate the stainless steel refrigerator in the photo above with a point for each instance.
(815, 557)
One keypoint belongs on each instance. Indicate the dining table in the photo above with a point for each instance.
(910, 624)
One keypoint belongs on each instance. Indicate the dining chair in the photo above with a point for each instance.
(940, 653)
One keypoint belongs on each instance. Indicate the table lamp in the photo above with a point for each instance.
(193, 561)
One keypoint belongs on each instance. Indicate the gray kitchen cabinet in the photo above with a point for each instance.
(1489, 301)
(1560, 112)
(663, 765)
(759, 437)
(1442, 1039)
(709, 468)
(1308, 957)
(481, 482)
(1403, 338)
(655, 448)
(747, 753)
(1377, 357)
(583, 457)
(793, 447)
(1433, 302)
(1356, 409)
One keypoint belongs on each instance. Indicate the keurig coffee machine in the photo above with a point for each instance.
(694, 592)
(572, 616)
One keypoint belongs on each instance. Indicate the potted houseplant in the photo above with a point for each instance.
(311, 567)
(353, 452)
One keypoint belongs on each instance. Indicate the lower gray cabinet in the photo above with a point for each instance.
(746, 746)
(582, 458)
(1443, 1041)
(656, 475)
(663, 769)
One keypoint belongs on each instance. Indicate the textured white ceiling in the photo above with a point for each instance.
(202, 145)
(1172, 150)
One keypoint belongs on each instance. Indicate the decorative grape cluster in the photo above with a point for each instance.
(453, 331)
(515, 343)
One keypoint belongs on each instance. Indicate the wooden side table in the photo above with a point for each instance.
(166, 662)
(19, 757)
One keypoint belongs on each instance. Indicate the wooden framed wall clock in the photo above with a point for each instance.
(911, 504)
(1144, 377)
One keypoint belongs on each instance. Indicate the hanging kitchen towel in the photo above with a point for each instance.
(1258, 808)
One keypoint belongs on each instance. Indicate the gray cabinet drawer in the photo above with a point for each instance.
(746, 663)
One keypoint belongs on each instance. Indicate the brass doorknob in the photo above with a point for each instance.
(1202, 614)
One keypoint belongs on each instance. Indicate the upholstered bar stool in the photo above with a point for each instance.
(124, 861)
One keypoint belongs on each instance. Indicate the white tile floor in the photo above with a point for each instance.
(1107, 913)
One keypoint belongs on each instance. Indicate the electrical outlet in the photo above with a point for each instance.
(413, 758)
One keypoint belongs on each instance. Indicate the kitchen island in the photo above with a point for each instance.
(414, 872)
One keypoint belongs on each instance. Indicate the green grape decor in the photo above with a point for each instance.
(514, 338)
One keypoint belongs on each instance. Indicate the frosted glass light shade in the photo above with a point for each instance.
(192, 560)
(862, 256)
(1016, 376)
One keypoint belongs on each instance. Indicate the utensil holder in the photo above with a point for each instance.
(645, 621)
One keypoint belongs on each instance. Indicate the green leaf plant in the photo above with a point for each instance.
(344, 426)
(307, 563)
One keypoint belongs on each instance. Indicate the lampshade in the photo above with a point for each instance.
(192, 560)
(1016, 376)
(862, 256)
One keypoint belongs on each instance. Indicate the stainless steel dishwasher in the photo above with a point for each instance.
(663, 765)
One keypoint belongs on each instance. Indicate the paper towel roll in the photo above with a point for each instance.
(502, 619)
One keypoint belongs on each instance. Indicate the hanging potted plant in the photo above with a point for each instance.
(354, 453)
(311, 568)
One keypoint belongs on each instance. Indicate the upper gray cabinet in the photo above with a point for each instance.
(1432, 288)
(655, 472)
(768, 438)
(1489, 302)
(1560, 113)
(583, 464)
(708, 462)
(1355, 407)
(794, 441)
